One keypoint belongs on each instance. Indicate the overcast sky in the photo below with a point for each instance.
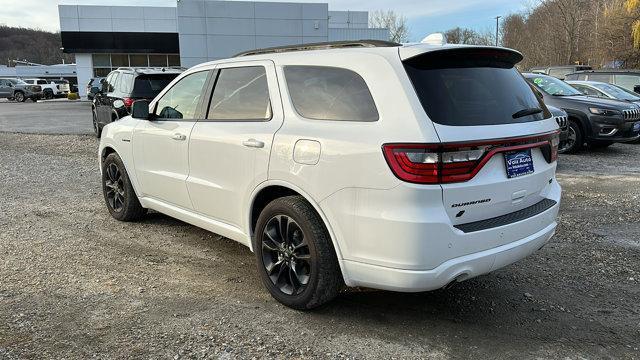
(425, 16)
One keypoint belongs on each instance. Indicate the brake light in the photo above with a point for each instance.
(128, 102)
(458, 162)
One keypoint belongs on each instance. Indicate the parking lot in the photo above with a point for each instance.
(75, 283)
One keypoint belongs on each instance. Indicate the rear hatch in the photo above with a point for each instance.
(148, 86)
(62, 85)
(497, 152)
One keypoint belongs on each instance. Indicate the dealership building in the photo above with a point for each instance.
(104, 38)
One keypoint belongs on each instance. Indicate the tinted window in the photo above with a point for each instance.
(148, 86)
(329, 93)
(42, 82)
(241, 94)
(181, 101)
(627, 81)
(477, 89)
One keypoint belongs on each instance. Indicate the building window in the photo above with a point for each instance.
(103, 64)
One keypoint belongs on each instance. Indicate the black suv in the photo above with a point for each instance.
(628, 79)
(594, 121)
(118, 91)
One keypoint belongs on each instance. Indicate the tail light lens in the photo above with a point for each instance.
(128, 102)
(458, 162)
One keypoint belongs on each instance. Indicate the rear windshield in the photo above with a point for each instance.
(148, 86)
(468, 88)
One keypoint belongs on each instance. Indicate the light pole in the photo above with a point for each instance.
(497, 27)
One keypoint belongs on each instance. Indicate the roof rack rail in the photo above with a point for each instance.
(320, 46)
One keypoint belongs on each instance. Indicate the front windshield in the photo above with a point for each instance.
(617, 92)
(553, 86)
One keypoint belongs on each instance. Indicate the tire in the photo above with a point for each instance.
(19, 96)
(48, 94)
(600, 144)
(575, 139)
(119, 196)
(305, 274)
(96, 127)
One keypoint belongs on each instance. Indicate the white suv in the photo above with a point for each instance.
(404, 168)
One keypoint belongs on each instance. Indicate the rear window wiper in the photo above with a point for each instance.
(527, 112)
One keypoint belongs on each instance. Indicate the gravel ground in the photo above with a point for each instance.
(74, 283)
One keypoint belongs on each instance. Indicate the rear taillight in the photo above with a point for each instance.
(458, 162)
(128, 102)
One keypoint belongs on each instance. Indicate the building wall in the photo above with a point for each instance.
(339, 34)
(84, 69)
(212, 29)
(349, 19)
(117, 18)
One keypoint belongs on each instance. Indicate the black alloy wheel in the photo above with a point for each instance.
(114, 185)
(285, 255)
(294, 253)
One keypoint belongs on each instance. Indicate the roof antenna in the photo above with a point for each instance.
(434, 39)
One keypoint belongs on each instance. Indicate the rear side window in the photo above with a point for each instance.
(466, 88)
(329, 93)
(241, 94)
(148, 86)
(126, 83)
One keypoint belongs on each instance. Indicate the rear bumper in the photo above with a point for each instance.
(457, 269)
(403, 239)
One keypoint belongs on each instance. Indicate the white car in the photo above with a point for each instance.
(372, 164)
(51, 88)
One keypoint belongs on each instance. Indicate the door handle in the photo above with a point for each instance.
(179, 137)
(253, 143)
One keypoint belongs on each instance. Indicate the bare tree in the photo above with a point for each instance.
(397, 24)
(460, 35)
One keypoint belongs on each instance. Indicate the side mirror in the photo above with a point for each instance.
(636, 89)
(10, 84)
(140, 110)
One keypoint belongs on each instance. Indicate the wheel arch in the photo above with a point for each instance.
(267, 191)
(109, 149)
(582, 120)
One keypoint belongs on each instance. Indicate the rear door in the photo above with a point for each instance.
(475, 99)
(5, 90)
(229, 150)
(160, 146)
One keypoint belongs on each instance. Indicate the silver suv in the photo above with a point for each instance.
(18, 90)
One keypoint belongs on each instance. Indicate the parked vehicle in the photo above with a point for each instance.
(122, 87)
(595, 121)
(93, 87)
(562, 118)
(398, 167)
(604, 90)
(62, 87)
(18, 90)
(559, 72)
(628, 79)
(48, 89)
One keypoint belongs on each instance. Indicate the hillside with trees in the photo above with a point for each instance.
(36, 46)
(600, 33)
(595, 32)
